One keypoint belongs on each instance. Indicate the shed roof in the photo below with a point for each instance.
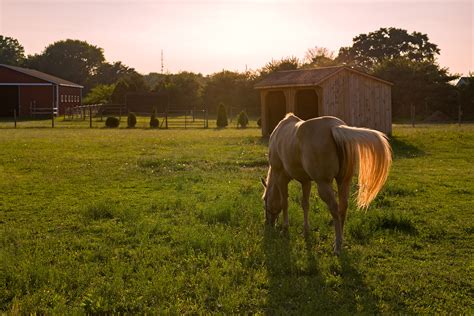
(306, 77)
(43, 76)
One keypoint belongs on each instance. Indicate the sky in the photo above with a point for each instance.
(207, 36)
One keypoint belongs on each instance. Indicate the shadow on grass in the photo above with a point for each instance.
(297, 287)
(402, 149)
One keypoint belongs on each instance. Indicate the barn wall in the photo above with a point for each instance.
(358, 100)
(41, 95)
(68, 97)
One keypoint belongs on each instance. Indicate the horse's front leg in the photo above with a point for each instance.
(306, 186)
(284, 201)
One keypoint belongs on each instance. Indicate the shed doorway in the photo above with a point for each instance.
(306, 104)
(8, 101)
(276, 109)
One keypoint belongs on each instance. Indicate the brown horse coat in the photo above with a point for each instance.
(324, 149)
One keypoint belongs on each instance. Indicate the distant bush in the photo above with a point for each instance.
(242, 120)
(131, 120)
(154, 122)
(259, 122)
(112, 122)
(221, 116)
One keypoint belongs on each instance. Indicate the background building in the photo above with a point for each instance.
(31, 92)
(353, 96)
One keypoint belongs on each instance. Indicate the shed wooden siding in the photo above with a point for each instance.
(359, 101)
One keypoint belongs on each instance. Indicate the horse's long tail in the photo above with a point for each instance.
(372, 150)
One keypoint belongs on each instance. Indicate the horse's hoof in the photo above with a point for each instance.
(337, 249)
(306, 232)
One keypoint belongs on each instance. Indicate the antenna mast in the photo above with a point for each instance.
(162, 66)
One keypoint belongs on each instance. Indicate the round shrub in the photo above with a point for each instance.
(242, 120)
(131, 120)
(259, 122)
(154, 122)
(221, 116)
(112, 122)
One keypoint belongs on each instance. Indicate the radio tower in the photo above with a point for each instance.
(162, 66)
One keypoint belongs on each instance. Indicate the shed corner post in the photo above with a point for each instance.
(290, 100)
(263, 112)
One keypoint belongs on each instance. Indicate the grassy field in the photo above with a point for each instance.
(101, 220)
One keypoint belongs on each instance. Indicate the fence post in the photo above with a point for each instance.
(14, 116)
(185, 118)
(207, 117)
(52, 118)
(90, 116)
(166, 119)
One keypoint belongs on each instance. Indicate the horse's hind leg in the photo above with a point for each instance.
(326, 193)
(306, 186)
(343, 189)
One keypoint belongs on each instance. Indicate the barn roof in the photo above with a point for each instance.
(43, 76)
(306, 77)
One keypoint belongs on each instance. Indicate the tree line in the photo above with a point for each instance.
(408, 60)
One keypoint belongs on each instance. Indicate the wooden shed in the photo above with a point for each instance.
(355, 97)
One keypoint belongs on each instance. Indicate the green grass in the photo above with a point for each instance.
(140, 220)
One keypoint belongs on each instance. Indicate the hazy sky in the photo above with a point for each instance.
(210, 35)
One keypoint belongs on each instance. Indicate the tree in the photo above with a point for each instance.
(183, 90)
(128, 84)
(73, 60)
(131, 120)
(100, 94)
(108, 73)
(119, 94)
(221, 116)
(11, 52)
(421, 84)
(242, 119)
(319, 57)
(233, 89)
(466, 96)
(288, 63)
(367, 50)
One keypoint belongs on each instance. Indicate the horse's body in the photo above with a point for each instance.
(321, 150)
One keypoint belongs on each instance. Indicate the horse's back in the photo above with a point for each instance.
(319, 153)
(305, 149)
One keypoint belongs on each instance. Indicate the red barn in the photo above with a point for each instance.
(31, 92)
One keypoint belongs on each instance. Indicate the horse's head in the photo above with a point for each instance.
(272, 199)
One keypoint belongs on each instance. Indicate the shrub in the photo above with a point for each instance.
(242, 120)
(154, 122)
(131, 120)
(221, 116)
(112, 122)
(259, 122)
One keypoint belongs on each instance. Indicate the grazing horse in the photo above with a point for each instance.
(321, 150)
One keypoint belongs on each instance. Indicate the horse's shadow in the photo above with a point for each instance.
(403, 149)
(300, 286)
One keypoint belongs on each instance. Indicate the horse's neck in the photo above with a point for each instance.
(272, 176)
